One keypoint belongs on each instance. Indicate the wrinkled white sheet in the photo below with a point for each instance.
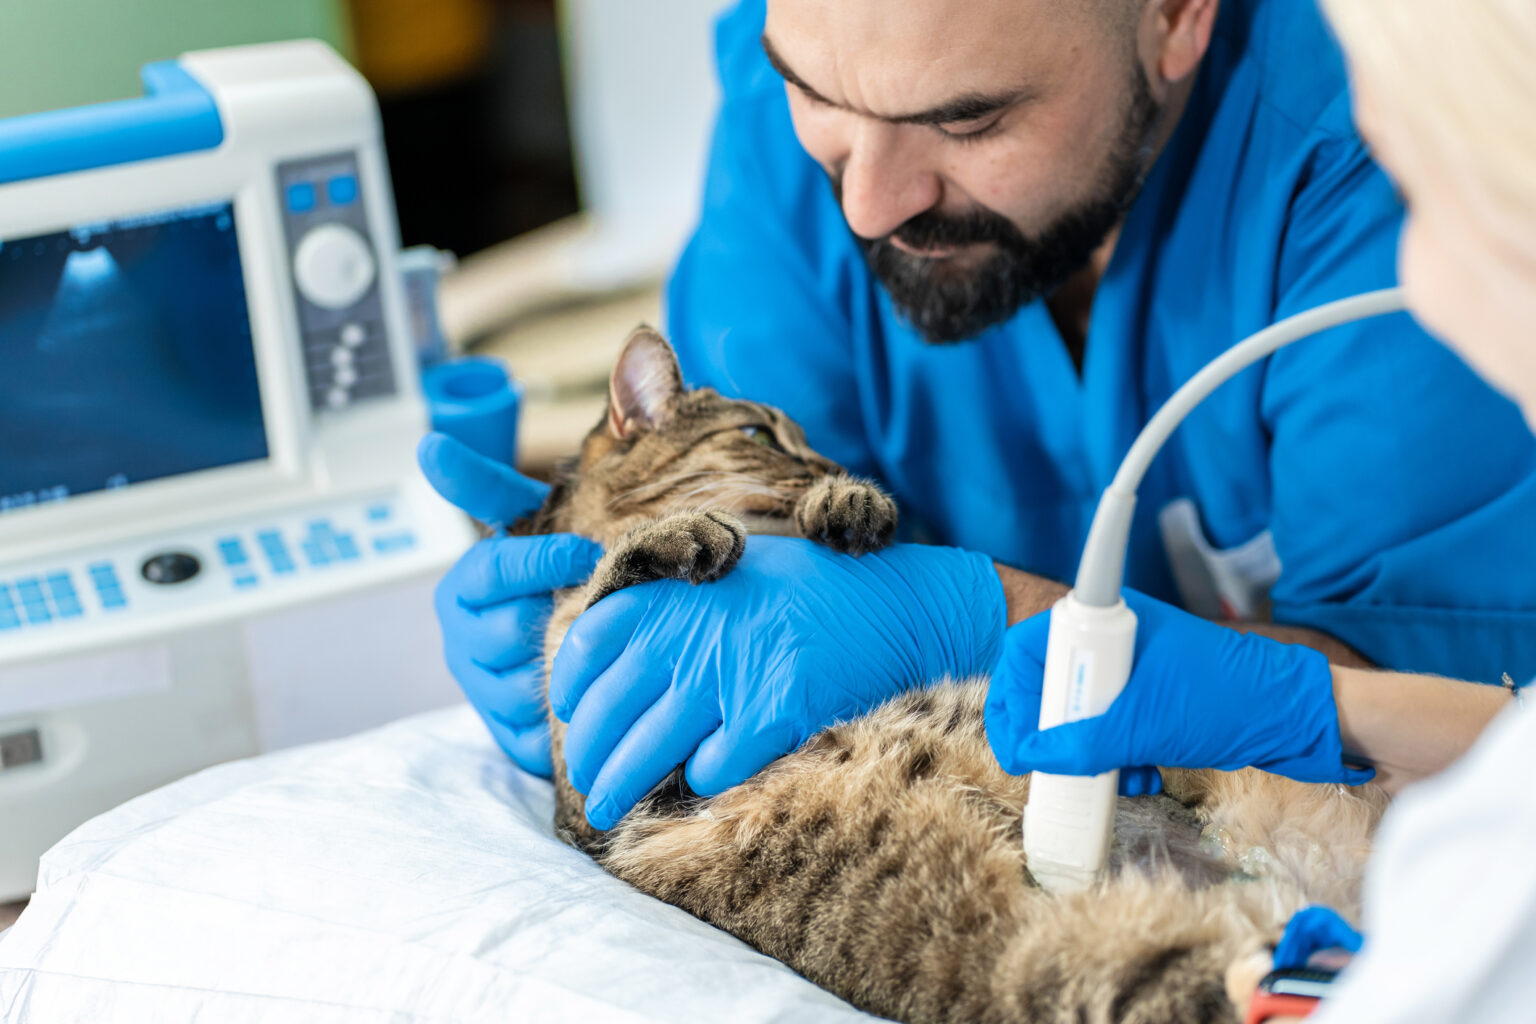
(404, 874)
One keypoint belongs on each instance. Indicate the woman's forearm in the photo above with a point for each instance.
(1410, 726)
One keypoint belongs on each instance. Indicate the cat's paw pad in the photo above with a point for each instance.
(700, 547)
(846, 514)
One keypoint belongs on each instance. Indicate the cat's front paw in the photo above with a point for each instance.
(699, 547)
(846, 514)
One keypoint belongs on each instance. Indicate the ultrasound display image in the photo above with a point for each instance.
(125, 356)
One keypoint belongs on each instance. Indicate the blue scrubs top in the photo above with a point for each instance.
(1399, 490)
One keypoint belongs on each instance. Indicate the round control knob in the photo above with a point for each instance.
(334, 266)
(170, 567)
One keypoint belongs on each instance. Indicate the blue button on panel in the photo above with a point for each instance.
(378, 513)
(245, 581)
(61, 587)
(394, 542)
(276, 550)
(232, 551)
(37, 614)
(30, 590)
(65, 600)
(301, 197)
(324, 544)
(108, 589)
(342, 189)
(9, 619)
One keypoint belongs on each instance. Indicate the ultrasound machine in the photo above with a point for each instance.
(209, 406)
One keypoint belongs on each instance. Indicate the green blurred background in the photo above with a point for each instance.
(62, 53)
(471, 91)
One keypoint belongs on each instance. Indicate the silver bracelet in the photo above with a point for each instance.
(1516, 692)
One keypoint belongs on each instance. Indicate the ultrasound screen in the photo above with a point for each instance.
(125, 356)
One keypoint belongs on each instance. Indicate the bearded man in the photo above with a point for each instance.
(971, 246)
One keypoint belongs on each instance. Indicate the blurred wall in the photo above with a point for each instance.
(643, 97)
(62, 53)
(474, 115)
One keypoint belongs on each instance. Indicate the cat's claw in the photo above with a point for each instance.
(846, 514)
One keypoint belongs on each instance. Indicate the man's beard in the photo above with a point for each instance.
(946, 303)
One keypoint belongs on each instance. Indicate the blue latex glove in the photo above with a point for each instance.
(1199, 696)
(1311, 930)
(729, 676)
(492, 605)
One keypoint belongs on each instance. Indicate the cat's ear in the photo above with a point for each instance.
(645, 385)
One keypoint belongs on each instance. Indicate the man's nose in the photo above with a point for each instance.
(886, 180)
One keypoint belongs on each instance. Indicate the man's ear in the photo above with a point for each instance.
(645, 386)
(1173, 39)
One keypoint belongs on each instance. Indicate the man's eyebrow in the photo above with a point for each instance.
(788, 74)
(967, 107)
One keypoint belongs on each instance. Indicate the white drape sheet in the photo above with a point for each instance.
(405, 874)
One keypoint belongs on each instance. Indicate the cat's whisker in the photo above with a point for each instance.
(655, 485)
(675, 478)
(724, 482)
(732, 489)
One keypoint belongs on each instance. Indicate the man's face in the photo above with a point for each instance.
(982, 150)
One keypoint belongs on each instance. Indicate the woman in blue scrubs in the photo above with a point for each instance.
(1443, 94)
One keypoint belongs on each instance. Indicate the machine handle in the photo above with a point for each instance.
(176, 115)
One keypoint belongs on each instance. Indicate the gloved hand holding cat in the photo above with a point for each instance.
(731, 676)
(727, 678)
(493, 605)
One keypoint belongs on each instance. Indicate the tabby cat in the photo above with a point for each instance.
(882, 860)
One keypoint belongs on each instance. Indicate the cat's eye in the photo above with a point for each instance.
(763, 436)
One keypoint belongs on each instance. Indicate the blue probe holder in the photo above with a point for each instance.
(473, 400)
(176, 115)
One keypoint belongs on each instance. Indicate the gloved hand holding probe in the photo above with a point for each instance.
(1199, 696)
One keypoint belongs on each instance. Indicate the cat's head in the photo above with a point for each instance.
(662, 448)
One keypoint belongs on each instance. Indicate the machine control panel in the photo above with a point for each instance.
(221, 562)
(335, 281)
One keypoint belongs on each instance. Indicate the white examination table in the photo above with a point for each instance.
(404, 874)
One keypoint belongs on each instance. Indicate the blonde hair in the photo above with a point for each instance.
(1460, 73)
